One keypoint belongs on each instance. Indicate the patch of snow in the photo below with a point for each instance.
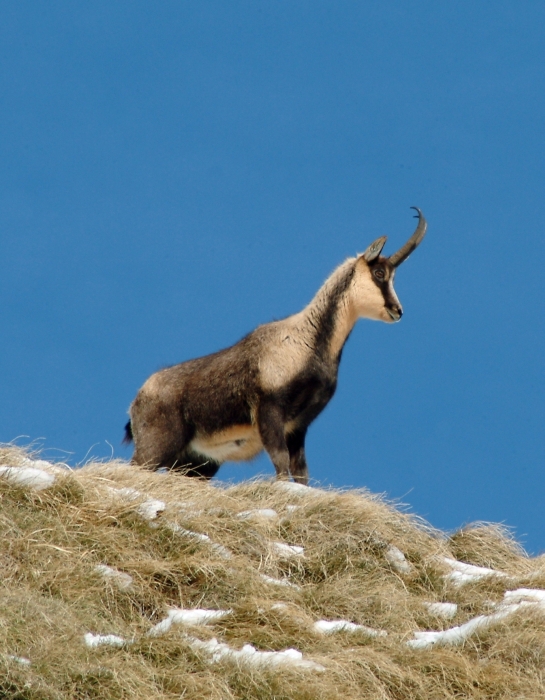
(288, 550)
(188, 533)
(37, 463)
(151, 508)
(221, 550)
(280, 582)
(459, 634)
(148, 509)
(59, 468)
(201, 537)
(120, 578)
(533, 595)
(97, 640)
(292, 509)
(465, 573)
(513, 600)
(250, 656)
(331, 626)
(186, 617)
(37, 479)
(299, 489)
(396, 558)
(19, 660)
(445, 610)
(267, 513)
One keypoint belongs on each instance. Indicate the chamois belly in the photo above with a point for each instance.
(236, 444)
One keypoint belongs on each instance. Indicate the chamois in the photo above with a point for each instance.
(263, 392)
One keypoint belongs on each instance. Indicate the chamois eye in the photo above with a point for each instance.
(379, 274)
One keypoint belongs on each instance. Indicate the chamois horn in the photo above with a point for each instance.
(404, 252)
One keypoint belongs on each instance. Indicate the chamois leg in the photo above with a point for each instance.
(160, 436)
(156, 450)
(271, 431)
(298, 462)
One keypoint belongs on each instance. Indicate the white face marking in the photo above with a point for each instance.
(367, 297)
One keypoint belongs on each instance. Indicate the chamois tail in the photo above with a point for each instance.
(128, 434)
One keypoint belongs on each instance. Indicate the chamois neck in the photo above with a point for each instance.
(330, 316)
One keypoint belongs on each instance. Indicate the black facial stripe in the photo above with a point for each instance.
(389, 299)
(385, 284)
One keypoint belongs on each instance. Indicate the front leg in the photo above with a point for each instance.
(298, 462)
(270, 424)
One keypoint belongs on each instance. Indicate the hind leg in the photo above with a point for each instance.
(159, 434)
(161, 441)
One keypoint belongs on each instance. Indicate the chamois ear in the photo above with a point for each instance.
(374, 249)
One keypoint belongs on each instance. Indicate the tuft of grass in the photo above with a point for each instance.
(216, 546)
(488, 544)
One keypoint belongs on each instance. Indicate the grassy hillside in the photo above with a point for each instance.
(109, 574)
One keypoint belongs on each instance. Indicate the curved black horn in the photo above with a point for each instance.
(404, 252)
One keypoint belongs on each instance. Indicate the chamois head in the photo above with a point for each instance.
(373, 294)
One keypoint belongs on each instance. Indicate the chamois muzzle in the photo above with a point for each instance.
(404, 252)
(395, 312)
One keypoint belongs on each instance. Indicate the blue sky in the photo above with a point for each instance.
(173, 174)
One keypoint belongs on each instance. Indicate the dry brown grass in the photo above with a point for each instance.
(52, 595)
